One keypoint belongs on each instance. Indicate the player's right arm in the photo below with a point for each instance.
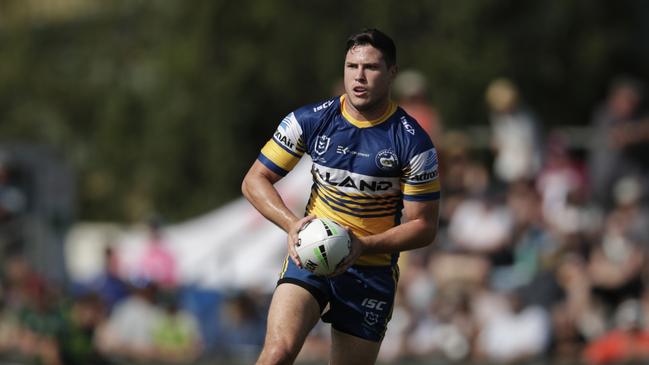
(280, 154)
(258, 187)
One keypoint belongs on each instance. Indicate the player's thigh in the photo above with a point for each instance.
(351, 350)
(293, 313)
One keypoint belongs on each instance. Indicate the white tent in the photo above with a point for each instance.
(231, 247)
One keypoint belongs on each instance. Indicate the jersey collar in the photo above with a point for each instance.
(392, 107)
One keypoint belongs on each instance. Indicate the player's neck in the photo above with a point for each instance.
(369, 114)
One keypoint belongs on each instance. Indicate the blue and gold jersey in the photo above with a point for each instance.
(362, 170)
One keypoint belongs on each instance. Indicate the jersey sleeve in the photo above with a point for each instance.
(283, 151)
(420, 181)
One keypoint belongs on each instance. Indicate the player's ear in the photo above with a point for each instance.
(393, 70)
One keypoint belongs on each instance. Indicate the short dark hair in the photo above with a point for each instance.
(376, 39)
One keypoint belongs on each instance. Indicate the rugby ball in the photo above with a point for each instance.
(322, 244)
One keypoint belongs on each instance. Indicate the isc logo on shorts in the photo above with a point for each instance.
(373, 304)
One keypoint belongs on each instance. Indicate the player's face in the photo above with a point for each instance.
(367, 79)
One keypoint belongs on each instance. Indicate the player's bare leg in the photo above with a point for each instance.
(293, 313)
(351, 350)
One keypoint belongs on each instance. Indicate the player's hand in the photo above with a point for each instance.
(355, 252)
(292, 238)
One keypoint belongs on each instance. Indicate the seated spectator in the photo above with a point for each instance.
(627, 342)
(176, 334)
(578, 316)
(482, 226)
(128, 334)
(76, 342)
(518, 334)
(448, 328)
(616, 262)
(108, 284)
(243, 326)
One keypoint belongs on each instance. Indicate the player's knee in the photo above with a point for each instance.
(278, 354)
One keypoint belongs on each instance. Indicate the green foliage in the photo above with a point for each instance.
(163, 105)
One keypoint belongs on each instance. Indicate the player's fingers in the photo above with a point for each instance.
(302, 222)
(296, 261)
(342, 266)
(292, 252)
(293, 239)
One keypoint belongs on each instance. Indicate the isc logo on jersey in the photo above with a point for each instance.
(407, 126)
(323, 106)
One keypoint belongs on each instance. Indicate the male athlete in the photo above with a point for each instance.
(370, 161)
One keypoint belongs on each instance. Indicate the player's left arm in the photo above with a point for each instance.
(419, 230)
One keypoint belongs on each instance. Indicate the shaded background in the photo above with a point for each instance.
(149, 101)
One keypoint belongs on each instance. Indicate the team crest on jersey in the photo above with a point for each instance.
(322, 144)
(386, 160)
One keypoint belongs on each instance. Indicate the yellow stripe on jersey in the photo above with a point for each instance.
(279, 156)
(337, 201)
(426, 188)
(392, 107)
(359, 226)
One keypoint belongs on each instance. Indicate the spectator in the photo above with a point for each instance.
(411, 92)
(76, 342)
(530, 326)
(617, 135)
(448, 328)
(157, 264)
(128, 332)
(12, 199)
(578, 316)
(108, 284)
(176, 335)
(531, 243)
(243, 326)
(616, 262)
(482, 226)
(13, 206)
(514, 131)
(627, 342)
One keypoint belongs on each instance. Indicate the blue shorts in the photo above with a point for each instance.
(360, 299)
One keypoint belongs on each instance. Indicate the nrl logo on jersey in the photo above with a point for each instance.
(321, 144)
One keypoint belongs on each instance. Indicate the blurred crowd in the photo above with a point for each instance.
(540, 256)
(542, 248)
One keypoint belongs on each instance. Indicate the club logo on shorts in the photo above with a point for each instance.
(386, 160)
(371, 318)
